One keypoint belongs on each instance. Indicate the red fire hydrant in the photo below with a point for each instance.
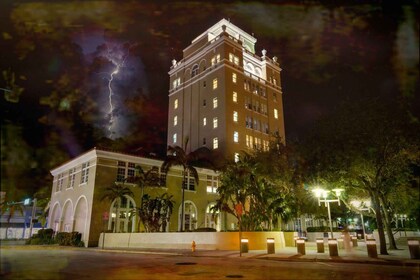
(193, 246)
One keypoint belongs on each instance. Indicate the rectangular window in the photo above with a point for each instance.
(204, 121)
(204, 102)
(234, 59)
(215, 59)
(85, 173)
(212, 184)
(215, 123)
(175, 120)
(276, 114)
(214, 83)
(215, 143)
(174, 138)
(235, 97)
(72, 177)
(60, 182)
(247, 140)
(235, 137)
(235, 116)
(204, 141)
(175, 103)
(204, 83)
(125, 170)
(189, 183)
(176, 83)
(215, 103)
(234, 77)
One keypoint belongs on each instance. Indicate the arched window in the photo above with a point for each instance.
(122, 218)
(190, 216)
(212, 220)
(194, 70)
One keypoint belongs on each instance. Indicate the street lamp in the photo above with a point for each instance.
(322, 196)
(27, 202)
(362, 206)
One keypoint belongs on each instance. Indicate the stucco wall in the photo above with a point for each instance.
(183, 240)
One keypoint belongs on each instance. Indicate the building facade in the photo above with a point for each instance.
(223, 96)
(79, 185)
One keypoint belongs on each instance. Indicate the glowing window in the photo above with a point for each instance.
(212, 184)
(236, 157)
(175, 120)
(214, 102)
(234, 77)
(176, 104)
(214, 83)
(215, 143)
(235, 116)
(276, 114)
(235, 97)
(204, 121)
(215, 122)
(174, 138)
(235, 137)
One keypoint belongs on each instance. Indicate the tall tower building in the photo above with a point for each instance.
(224, 96)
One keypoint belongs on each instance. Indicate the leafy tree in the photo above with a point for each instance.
(247, 195)
(177, 156)
(116, 192)
(9, 209)
(155, 212)
(368, 148)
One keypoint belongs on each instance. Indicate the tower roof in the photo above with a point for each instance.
(231, 29)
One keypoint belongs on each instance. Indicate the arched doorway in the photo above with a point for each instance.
(190, 216)
(213, 220)
(67, 217)
(54, 221)
(80, 215)
(122, 219)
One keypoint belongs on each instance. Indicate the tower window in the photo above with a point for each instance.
(204, 102)
(235, 116)
(235, 137)
(234, 77)
(214, 102)
(174, 138)
(194, 71)
(215, 143)
(235, 97)
(204, 141)
(215, 122)
(214, 83)
(276, 114)
(175, 103)
(175, 120)
(204, 121)
(236, 157)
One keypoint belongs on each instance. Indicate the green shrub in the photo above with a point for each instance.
(69, 239)
(205, 229)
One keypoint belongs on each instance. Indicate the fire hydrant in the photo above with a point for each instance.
(193, 246)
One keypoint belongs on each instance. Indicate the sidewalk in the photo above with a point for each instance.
(354, 255)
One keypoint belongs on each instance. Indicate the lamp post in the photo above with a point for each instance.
(322, 196)
(31, 225)
(362, 206)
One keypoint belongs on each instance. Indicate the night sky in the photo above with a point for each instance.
(59, 60)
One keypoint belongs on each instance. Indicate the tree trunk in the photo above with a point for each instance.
(392, 244)
(379, 221)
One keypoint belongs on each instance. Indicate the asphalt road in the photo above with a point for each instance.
(29, 263)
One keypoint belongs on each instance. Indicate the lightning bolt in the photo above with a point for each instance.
(118, 63)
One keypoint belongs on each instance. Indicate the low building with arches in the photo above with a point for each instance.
(79, 186)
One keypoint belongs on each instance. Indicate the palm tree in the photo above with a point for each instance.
(177, 156)
(10, 208)
(144, 179)
(116, 192)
